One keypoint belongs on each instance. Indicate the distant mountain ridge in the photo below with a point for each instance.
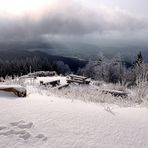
(73, 63)
(82, 50)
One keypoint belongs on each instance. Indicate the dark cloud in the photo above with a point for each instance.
(72, 19)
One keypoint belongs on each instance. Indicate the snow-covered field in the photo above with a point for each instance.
(44, 120)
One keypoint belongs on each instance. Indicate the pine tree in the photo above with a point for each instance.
(139, 60)
(137, 70)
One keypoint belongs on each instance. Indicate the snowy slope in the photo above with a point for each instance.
(49, 122)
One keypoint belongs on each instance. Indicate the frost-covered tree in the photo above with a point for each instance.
(62, 68)
(138, 71)
(109, 70)
(88, 70)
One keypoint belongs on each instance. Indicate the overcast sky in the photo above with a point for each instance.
(97, 21)
(137, 7)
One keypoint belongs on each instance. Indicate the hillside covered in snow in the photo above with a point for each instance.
(70, 118)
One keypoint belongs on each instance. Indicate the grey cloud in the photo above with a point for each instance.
(70, 19)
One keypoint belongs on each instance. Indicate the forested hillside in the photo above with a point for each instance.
(16, 62)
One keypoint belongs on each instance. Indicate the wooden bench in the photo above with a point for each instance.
(18, 91)
(42, 74)
(52, 83)
(116, 93)
(78, 79)
(63, 86)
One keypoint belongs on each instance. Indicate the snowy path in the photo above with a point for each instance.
(48, 122)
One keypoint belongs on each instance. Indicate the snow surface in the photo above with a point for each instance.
(41, 121)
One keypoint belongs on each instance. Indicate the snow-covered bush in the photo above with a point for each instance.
(89, 94)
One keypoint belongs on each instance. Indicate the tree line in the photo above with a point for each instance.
(115, 70)
(103, 69)
(18, 67)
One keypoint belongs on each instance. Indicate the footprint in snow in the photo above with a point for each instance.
(25, 136)
(21, 133)
(41, 136)
(27, 125)
(16, 123)
(7, 133)
(22, 124)
(2, 127)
